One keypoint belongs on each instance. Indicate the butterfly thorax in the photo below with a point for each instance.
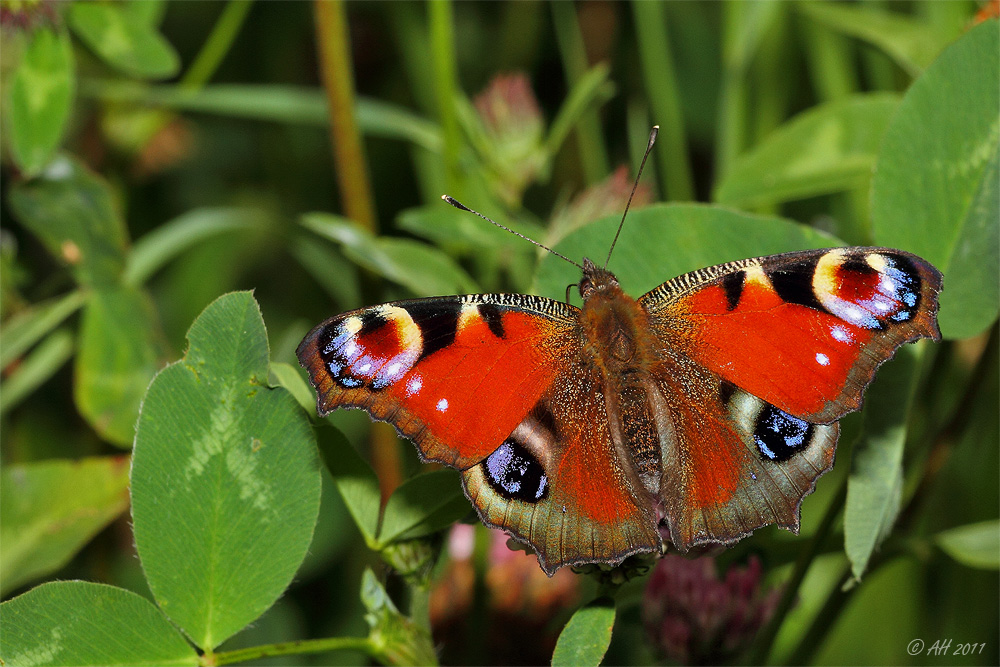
(621, 352)
(615, 329)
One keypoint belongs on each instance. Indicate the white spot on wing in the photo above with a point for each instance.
(841, 334)
(442, 405)
(414, 385)
(822, 359)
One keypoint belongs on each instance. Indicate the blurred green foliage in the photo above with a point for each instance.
(156, 156)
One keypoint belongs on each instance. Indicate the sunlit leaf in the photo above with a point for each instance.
(829, 148)
(50, 509)
(40, 98)
(875, 484)
(356, 482)
(423, 269)
(976, 545)
(666, 240)
(120, 351)
(25, 329)
(587, 635)
(151, 252)
(80, 623)
(126, 40)
(225, 478)
(909, 41)
(36, 368)
(422, 505)
(73, 212)
(935, 190)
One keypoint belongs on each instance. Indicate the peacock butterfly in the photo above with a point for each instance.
(708, 406)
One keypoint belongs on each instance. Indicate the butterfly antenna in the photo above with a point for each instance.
(649, 147)
(459, 205)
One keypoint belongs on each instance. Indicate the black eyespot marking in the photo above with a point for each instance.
(438, 322)
(904, 274)
(515, 474)
(732, 284)
(857, 264)
(779, 435)
(793, 283)
(491, 315)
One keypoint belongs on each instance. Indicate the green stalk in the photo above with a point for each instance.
(288, 648)
(348, 154)
(217, 45)
(744, 24)
(352, 178)
(590, 143)
(442, 37)
(661, 85)
(766, 637)
(824, 620)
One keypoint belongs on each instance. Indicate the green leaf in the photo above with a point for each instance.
(73, 212)
(593, 88)
(40, 98)
(329, 268)
(976, 545)
(586, 637)
(26, 328)
(910, 42)
(829, 148)
(935, 190)
(119, 353)
(81, 623)
(422, 505)
(666, 240)
(450, 227)
(394, 638)
(875, 484)
(296, 105)
(50, 509)
(168, 241)
(356, 482)
(35, 369)
(126, 40)
(288, 376)
(225, 479)
(423, 269)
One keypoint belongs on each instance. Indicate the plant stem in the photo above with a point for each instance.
(590, 145)
(348, 155)
(288, 648)
(217, 45)
(442, 37)
(661, 84)
(765, 640)
(823, 621)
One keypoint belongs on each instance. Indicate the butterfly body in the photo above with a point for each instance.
(706, 407)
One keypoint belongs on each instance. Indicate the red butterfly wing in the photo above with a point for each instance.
(495, 386)
(731, 462)
(803, 331)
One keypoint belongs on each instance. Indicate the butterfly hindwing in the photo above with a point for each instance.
(731, 462)
(560, 483)
(803, 331)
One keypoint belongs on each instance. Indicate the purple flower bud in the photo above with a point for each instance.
(693, 617)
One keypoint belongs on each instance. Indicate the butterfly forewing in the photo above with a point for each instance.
(803, 331)
(455, 374)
